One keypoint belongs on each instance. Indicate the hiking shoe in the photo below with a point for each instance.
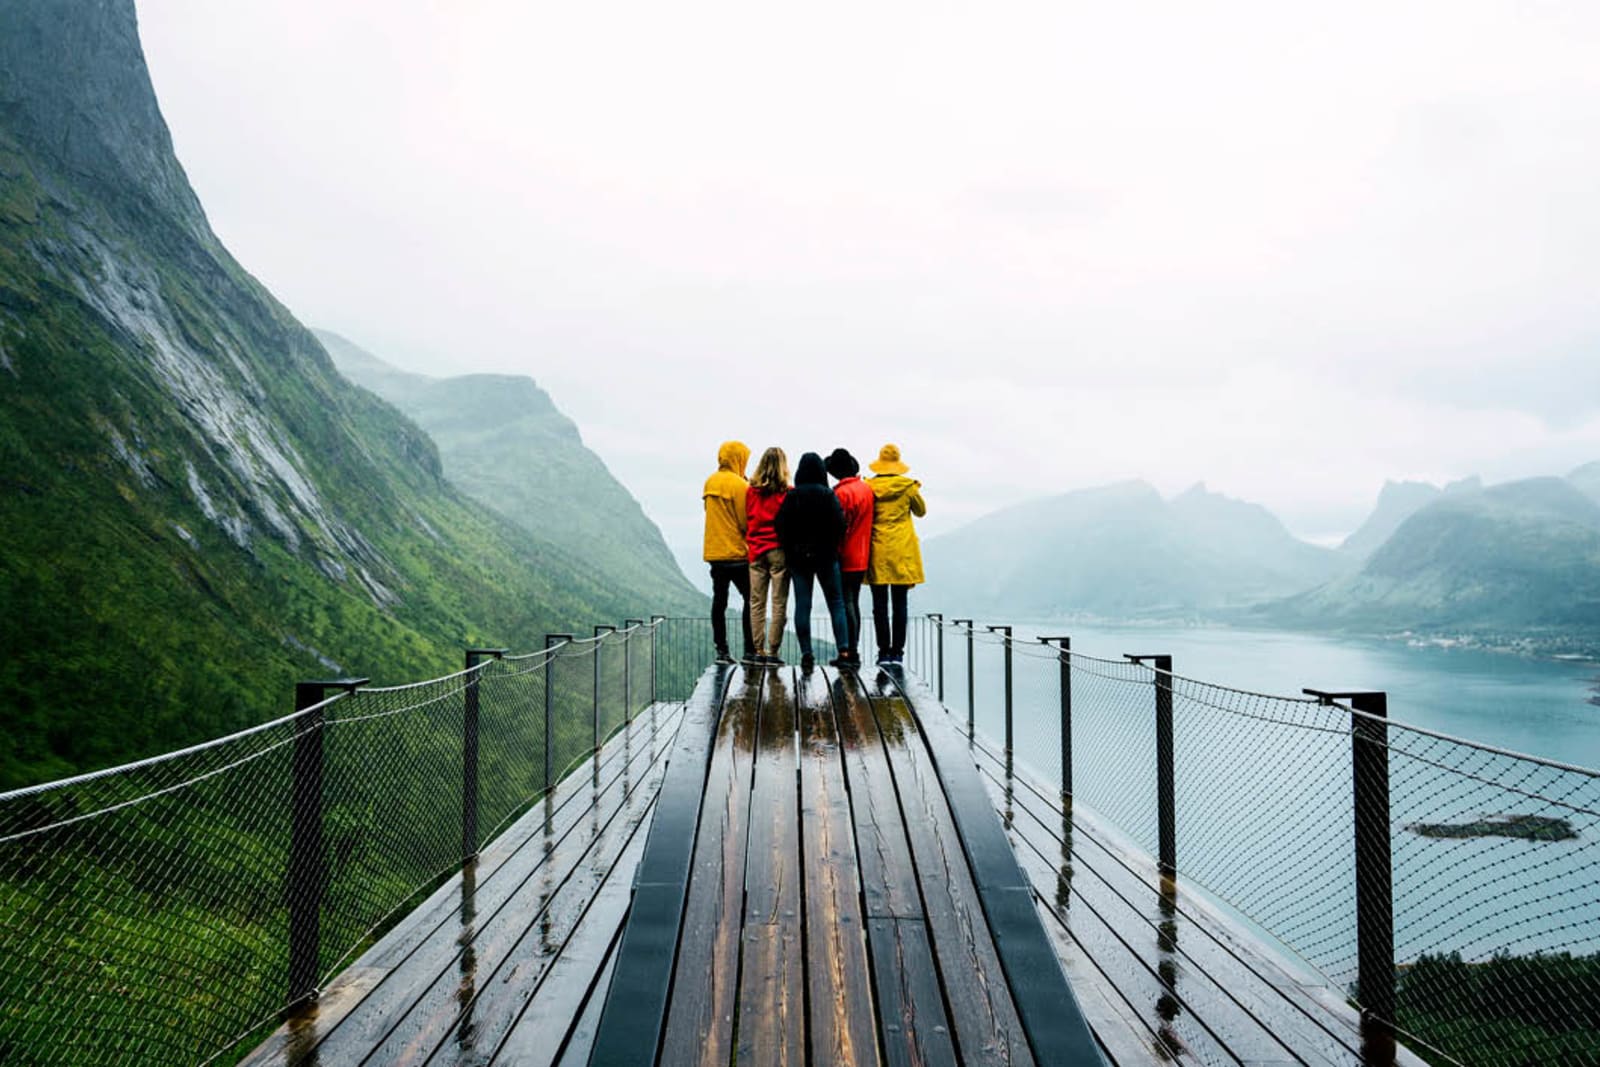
(807, 661)
(724, 657)
(754, 659)
(772, 661)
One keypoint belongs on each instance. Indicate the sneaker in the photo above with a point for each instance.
(772, 661)
(753, 659)
(723, 657)
(885, 659)
(807, 661)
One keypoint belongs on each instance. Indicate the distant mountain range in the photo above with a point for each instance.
(1515, 565)
(1121, 551)
(196, 508)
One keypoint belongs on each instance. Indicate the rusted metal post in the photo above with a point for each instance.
(1166, 789)
(307, 875)
(655, 657)
(1065, 644)
(469, 751)
(632, 626)
(551, 641)
(971, 692)
(1369, 766)
(600, 631)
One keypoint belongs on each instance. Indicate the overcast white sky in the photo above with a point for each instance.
(1287, 249)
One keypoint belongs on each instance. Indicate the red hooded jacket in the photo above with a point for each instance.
(855, 498)
(761, 536)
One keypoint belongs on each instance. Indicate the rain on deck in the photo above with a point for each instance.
(801, 867)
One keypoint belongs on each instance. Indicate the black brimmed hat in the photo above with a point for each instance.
(841, 464)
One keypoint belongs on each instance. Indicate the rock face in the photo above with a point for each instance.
(198, 508)
(1121, 551)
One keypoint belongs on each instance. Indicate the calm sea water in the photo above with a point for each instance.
(1264, 797)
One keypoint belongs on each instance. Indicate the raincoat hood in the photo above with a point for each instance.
(811, 471)
(732, 456)
(891, 486)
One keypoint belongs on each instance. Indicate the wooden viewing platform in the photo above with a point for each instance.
(805, 867)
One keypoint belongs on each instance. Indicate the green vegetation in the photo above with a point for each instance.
(1525, 827)
(1511, 1011)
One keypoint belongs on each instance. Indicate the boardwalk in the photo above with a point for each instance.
(824, 872)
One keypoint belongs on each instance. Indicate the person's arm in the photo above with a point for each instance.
(836, 520)
(918, 508)
(783, 522)
(741, 509)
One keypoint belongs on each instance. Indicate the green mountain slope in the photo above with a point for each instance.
(196, 509)
(1518, 561)
(1121, 551)
(502, 440)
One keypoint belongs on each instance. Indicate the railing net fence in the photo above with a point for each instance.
(1496, 874)
(145, 911)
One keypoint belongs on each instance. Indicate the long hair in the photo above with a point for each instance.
(772, 471)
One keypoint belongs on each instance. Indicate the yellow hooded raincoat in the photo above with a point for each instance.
(725, 509)
(896, 555)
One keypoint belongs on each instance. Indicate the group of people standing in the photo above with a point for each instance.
(763, 534)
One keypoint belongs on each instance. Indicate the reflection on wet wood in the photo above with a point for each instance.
(986, 1025)
(772, 972)
(432, 960)
(910, 1003)
(700, 1015)
(843, 1027)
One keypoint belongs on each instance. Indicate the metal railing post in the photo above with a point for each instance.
(655, 657)
(1066, 714)
(632, 626)
(1166, 790)
(971, 692)
(469, 752)
(1009, 733)
(600, 630)
(550, 641)
(1369, 766)
(306, 877)
(937, 618)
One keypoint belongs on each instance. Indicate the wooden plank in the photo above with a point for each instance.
(842, 1022)
(385, 969)
(915, 1028)
(772, 1014)
(699, 1017)
(519, 929)
(550, 1021)
(985, 1021)
(1057, 1032)
(580, 1043)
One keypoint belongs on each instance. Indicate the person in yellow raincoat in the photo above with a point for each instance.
(724, 497)
(896, 562)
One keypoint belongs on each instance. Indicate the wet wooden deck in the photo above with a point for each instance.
(807, 868)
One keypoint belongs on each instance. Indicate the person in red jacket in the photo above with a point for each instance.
(768, 572)
(855, 499)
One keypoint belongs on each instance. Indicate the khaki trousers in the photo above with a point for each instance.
(768, 572)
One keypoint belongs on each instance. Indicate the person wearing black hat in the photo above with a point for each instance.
(810, 524)
(856, 501)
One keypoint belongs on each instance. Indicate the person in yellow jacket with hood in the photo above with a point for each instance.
(724, 497)
(896, 562)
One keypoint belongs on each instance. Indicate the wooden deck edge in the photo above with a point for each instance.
(1057, 1030)
(631, 1022)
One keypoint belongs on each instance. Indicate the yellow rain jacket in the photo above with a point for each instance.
(896, 556)
(724, 497)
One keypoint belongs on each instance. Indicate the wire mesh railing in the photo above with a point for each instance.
(164, 911)
(1450, 889)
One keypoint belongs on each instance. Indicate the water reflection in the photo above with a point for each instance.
(467, 987)
(1168, 1007)
(1064, 870)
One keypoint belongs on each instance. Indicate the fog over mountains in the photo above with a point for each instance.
(1514, 564)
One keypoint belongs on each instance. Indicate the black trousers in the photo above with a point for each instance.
(851, 584)
(891, 633)
(723, 574)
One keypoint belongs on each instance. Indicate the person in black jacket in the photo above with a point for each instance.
(810, 526)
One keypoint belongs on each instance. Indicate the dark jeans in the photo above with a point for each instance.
(827, 577)
(891, 635)
(851, 584)
(724, 574)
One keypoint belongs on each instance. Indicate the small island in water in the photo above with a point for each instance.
(1527, 827)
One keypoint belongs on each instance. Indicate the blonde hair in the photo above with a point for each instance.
(772, 471)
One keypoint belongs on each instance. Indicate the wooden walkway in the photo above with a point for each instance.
(808, 868)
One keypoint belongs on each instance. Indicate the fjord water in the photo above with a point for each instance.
(1264, 798)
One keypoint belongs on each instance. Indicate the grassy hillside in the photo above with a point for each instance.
(197, 509)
